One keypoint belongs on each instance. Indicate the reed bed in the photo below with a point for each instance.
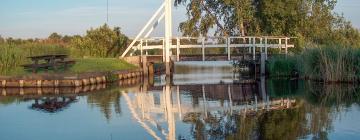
(320, 63)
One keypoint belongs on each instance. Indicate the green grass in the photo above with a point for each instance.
(99, 65)
(12, 56)
(280, 66)
(82, 65)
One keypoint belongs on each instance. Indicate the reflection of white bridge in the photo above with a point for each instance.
(147, 107)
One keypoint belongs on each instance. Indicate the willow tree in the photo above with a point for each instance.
(226, 17)
(311, 20)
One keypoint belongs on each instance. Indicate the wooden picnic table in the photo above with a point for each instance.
(51, 61)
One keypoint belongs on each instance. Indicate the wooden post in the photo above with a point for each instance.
(178, 49)
(203, 48)
(228, 48)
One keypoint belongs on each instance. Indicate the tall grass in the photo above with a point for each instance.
(331, 64)
(13, 56)
(280, 66)
(321, 63)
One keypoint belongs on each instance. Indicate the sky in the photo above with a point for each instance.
(40, 18)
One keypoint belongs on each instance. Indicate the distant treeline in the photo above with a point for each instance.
(99, 42)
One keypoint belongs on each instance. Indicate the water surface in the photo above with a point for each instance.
(186, 109)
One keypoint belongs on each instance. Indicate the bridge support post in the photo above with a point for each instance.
(254, 48)
(177, 49)
(286, 45)
(203, 48)
(228, 48)
(249, 43)
(168, 34)
(262, 64)
(266, 48)
(141, 50)
(280, 45)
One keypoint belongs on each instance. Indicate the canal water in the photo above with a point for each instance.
(200, 103)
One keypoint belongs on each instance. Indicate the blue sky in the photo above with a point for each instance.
(39, 18)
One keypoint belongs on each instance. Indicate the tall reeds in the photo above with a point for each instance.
(13, 56)
(321, 63)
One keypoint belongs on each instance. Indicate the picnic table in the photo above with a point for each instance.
(49, 62)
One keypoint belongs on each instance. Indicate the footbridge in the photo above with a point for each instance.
(170, 47)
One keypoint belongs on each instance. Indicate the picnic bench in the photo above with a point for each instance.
(48, 62)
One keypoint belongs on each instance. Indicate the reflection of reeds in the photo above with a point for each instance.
(335, 95)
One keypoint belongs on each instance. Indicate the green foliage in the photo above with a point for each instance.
(12, 56)
(99, 42)
(332, 63)
(308, 20)
(279, 66)
(321, 63)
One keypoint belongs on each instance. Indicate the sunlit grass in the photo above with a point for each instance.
(99, 65)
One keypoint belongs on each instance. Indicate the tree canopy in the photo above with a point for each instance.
(101, 42)
(309, 20)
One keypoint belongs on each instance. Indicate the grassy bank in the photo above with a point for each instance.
(320, 63)
(13, 56)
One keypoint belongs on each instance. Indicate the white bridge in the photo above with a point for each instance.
(143, 42)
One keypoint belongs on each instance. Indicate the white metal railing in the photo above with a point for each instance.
(247, 42)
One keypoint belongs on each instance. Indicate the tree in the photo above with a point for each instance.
(229, 17)
(55, 37)
(309, 20)
(101, 42)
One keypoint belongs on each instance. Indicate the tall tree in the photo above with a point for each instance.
(309, 20)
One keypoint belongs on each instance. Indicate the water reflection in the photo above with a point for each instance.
(210, 110)
(52, 104)
(271, 109)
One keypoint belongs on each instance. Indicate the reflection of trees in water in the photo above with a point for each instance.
(107, 101)
(317, 107)
(4, 100)
(53, 104)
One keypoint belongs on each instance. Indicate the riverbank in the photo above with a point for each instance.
(330, 64)
(86, 71)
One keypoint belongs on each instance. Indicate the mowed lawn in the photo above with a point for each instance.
(82, 65)
(99, 65)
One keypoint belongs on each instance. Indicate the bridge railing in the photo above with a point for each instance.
(251, 43)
